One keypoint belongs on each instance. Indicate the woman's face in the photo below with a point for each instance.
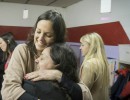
(45, 61)
(84, 48)
(3, 45)
(44, 34)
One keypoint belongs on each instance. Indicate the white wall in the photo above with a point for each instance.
(11, 14)
(87, 12)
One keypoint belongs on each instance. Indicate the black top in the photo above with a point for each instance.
(45, 90)
(2, 63)
(48, 90)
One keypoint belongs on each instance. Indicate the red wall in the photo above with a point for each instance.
(112, 33)
(20, 33)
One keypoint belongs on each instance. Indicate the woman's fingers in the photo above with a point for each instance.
(32, 75)
(37, 79)
(44, 75)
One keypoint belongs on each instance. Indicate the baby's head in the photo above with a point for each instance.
(45, 61)
(59, 56)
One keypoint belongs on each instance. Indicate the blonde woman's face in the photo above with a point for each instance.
(3, 45)
(45, 61)
(84, 48)
(44, 34)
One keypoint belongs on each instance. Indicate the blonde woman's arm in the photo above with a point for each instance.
(87, 74)
(86, 92)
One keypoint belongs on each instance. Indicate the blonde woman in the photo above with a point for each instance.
(94, 72)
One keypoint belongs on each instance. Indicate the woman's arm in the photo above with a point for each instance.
(87, 75)
(11, 87)
(73, 88)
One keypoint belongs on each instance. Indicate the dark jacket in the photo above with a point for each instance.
(72, 88)
(45, 90)
(2, 63)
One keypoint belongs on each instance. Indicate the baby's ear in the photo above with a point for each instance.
(55, 66)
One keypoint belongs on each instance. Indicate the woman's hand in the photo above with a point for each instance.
(44, 75)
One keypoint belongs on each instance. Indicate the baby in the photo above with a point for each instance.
(58, 56)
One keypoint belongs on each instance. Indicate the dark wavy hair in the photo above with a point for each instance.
(11, 44)
(59, 28)
(63, 55)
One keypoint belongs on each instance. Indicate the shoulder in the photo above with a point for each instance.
(21, 48)
(91, 66)
(85, 91)
(21, 51)
(93, 62)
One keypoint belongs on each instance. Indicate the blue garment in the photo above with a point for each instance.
(117, 87)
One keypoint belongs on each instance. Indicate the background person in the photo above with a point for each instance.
(7, 45)
(54, 57)
(94, 71)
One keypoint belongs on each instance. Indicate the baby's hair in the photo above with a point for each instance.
(63, 55)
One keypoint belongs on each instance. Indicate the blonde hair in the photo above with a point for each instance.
(97, 51)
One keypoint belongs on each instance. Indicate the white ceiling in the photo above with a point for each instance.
(55, 3)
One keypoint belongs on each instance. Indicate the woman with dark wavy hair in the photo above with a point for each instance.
(7, 45)
(50, 28)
